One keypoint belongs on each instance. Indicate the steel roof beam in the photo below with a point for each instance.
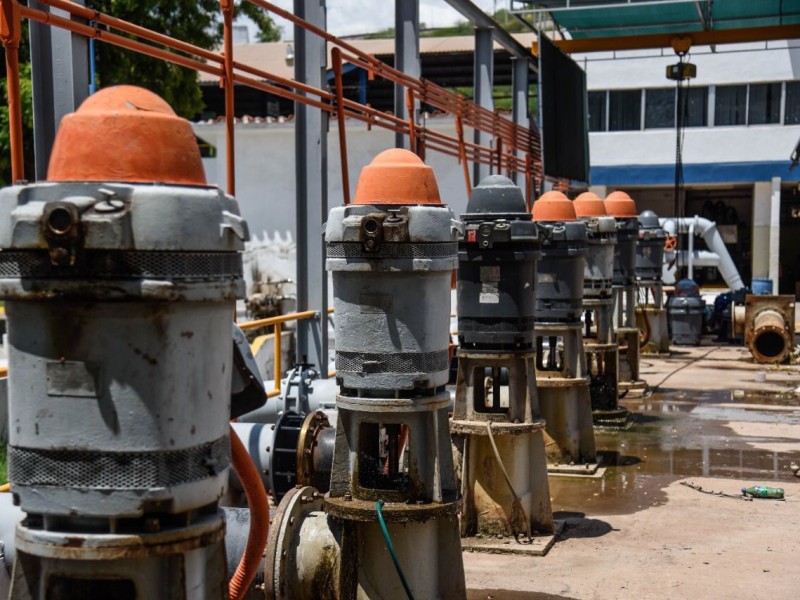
(480, 19)
(664, 40)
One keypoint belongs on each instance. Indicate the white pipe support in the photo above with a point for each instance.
(690, 263)
(708, 230)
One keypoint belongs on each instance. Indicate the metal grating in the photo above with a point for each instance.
(401, 362)
(96, 264)
(393, 250)
(117, 470)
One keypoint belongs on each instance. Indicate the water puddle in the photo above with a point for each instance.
(678, 435)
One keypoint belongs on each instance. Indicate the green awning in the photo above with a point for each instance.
(611, 18)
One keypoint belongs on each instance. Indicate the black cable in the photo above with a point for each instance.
(681, 114)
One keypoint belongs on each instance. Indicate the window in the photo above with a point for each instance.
(625, 110)
(765, 103)
(597, 111)
(696, 107)
(659, 108)
(730, 105)
(792, 103)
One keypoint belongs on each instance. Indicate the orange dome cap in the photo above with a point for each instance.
(620, 205)
(553, 206)
(397, 176)
(126, 133)
(589, 204)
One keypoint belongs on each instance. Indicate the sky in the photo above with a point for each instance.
(350, 17)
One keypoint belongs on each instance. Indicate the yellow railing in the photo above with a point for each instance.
(277, 324)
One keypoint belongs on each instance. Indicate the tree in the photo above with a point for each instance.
(267, 30)
(26, 95)
(195, 21)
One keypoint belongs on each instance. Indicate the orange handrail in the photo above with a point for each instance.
(511, 137)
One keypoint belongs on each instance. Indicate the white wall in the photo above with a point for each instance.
(756, 143)
(734, 63)
(265, 168)
(741, 63)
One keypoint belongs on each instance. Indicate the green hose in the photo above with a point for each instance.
(390, 546)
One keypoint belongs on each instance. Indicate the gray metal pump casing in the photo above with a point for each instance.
(625, 252)
(650, 247)
(599, 268)
(384, 341)
(559, 274)
(119, 299)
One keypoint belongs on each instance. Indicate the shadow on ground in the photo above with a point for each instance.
(512, 595)
(577, 526)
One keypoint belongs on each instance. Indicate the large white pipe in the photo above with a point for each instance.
(708, 231)
(697, 258)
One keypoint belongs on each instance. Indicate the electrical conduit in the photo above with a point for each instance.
(259, 519)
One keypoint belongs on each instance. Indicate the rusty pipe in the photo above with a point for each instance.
(15, 114)
(462, 154)
(94, 15)
(227, 82)
(336, 55)
(10, 35)
(111, 38)
(412, 128)
(770, 340)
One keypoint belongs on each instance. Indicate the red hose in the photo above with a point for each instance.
(259, 519)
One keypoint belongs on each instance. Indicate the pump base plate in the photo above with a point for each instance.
(539, 546)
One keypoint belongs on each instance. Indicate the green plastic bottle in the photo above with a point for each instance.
(762, 491)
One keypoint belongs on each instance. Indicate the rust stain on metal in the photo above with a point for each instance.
(149, 359)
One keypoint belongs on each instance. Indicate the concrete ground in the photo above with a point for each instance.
(638, 532)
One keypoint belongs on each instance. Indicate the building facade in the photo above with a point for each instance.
(742, 124)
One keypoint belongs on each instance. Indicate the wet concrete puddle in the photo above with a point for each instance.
(678, 434)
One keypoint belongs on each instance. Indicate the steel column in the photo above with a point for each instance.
(406, 52)
(484, 80)
(311, 158)
(60, 75)
(519, 103)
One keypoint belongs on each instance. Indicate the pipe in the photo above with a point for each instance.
(10, 515)
(708, 231)
(117, 40)
(336, 55)
(227, 83)
(690, 263)
(699, 258)
(516, 137)
(462, 154)
(412, 128)
(258, 440)
(237, 528)
(259, 519)
(10, 35)
(770, 341)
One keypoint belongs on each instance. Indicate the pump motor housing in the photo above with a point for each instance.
(496, 266)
